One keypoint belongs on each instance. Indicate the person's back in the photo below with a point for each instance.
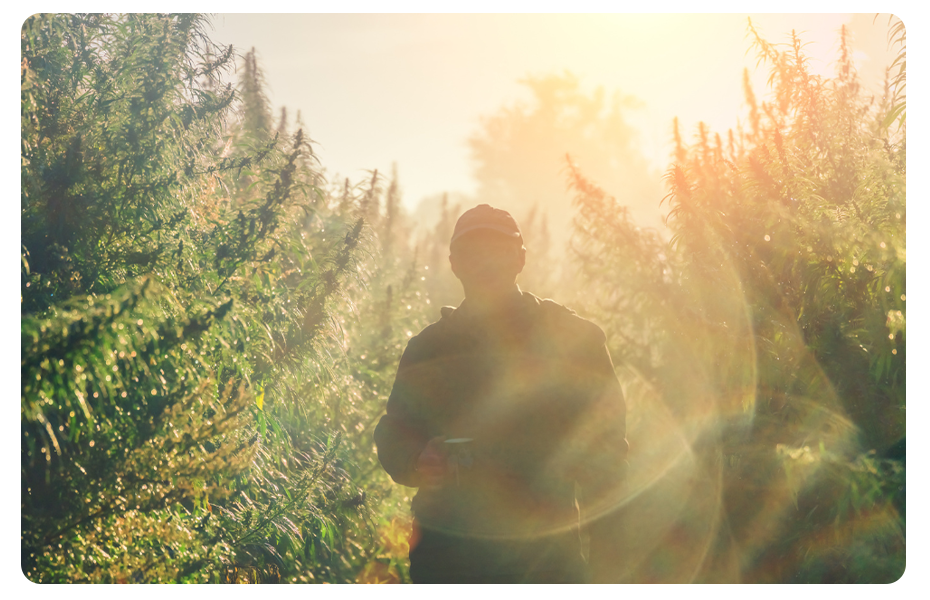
(499, 413)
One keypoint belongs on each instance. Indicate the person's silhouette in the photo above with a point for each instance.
(508, 416)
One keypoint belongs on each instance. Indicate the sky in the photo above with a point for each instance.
(375, 90)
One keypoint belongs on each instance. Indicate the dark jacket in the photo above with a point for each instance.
(534, 388)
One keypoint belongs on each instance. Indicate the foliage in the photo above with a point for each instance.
(773, 322)
(188, 289)
(210, 330)
(518, 151)
(909, 72)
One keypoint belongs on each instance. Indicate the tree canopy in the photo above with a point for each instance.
(519, 152)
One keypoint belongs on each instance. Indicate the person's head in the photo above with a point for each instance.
(486, 251)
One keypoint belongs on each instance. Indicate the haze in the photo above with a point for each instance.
(375, 90)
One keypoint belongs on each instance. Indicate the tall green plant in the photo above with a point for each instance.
(168, 321)
(773, 328)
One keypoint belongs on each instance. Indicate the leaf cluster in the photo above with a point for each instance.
(775, 316)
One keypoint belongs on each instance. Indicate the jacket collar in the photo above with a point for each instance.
(520, 303)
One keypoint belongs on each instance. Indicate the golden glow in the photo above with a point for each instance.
(439, 74)
(436, 75)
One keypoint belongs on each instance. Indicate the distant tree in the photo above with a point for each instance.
(282, 128)
(519, 153)
(438, 218)
(254, 108)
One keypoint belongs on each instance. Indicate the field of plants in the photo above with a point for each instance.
(210, 327)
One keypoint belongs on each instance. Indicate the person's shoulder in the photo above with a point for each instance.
(434, 333)
(566, 322)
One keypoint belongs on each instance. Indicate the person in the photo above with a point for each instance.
(508, 416)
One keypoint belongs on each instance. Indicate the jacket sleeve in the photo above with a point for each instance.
(401, 433)
(604, 472)
(604, 486)
(599, 445)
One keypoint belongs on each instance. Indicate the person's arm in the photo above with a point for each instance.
(401, 434)
(605, 483)
(605, 463)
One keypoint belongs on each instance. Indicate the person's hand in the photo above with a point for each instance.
(432, 464)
